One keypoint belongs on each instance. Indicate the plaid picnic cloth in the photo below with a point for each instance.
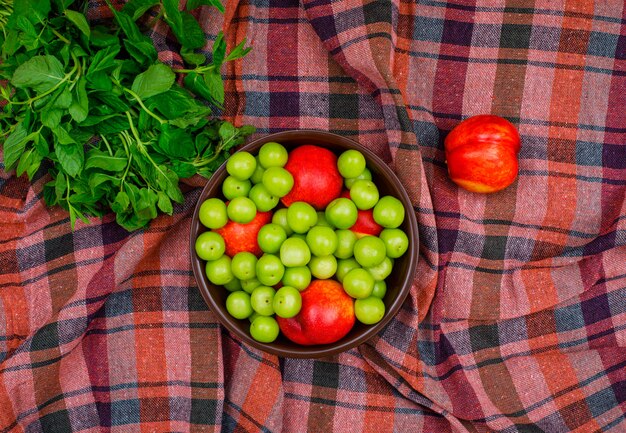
(516, 321)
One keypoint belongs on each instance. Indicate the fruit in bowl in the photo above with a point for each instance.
(316, 176)
(305, 270)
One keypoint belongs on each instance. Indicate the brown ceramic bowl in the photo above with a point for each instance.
(398, 283)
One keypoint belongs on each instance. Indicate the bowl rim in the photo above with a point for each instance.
(316, 351)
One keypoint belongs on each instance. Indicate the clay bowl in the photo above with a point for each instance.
(398, 283)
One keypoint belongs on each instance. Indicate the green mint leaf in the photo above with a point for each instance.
(28, 120)
(138, 45)
(41, 73)
(208, 152)
(79, 21)
(74, 214)
(96, 180)
(180, 108)
(35, 163)
(53, 100)
(70, 157)
(130, 222)
(126, 23)
(213, 81)
(173, 18)
(212, 130)
(136, 8)
(176, 103)
(95, 158)
(143, 165)
(219, 50)
(68, 151)
(78, 50)
(126, 70)
(145, 206)
(62, 5)
(72, 217)
(210, 166)
(164, 203)
(193, 36)
(230, 136)
(239, 51)
(100, 81)
(28, 29)
(35, 10)
(24, 162)
(187, 122)
(167, 180)
(246, 130)
(156, 79)
(63, 98)
(183, 169)
(87, 199)
(48, 194)
(51, 117)
(41, 144)
(62, 135)
(201, 142)
(102, 37)
(112, 101)
(64, 54)
(132, 192)
(104, 60)
(175, 142)
(193, 4)
(29, 37)
(142, 51)
(192, 58)
(81, 214)
(79, 108)
(227, 131)
(29, 163)
(109, 124)
(60, 186)
(92, 120)
(195, 83)
(11, 43)
(121, 202)
(144, 122)
(14, 146)
(80, 135)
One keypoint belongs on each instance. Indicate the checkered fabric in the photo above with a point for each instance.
(516, 321)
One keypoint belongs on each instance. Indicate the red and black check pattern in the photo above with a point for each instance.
(517, 318)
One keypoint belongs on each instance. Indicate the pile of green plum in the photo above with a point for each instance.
(297, 243)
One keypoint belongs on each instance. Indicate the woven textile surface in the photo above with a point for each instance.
(516, 321)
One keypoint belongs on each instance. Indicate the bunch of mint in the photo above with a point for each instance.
(110, 122)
